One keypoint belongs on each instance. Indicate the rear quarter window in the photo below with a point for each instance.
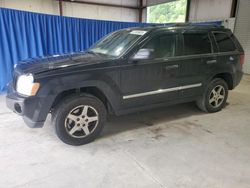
(224, 42)
(196, 43)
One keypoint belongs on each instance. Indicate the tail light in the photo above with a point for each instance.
(242, 58)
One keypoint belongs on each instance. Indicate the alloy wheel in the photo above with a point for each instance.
(81, 121)
(217, 96)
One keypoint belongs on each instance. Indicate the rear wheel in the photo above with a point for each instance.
(214, 97)
(79, 120)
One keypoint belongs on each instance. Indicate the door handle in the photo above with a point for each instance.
(170, 67)
(212, 61)
(231, 58)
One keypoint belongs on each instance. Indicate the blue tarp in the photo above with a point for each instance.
(26, 35)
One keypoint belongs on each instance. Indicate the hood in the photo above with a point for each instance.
(44, 64)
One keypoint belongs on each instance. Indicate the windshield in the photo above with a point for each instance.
(116, 43)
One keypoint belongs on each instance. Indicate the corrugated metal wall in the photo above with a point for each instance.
(242, 30)
(78, 10)
(208, 10)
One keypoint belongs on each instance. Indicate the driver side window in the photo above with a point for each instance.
(161, 46)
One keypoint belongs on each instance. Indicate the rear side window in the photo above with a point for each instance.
(196, 43)
(224, 42)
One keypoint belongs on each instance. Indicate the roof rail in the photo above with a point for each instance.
(189, 24)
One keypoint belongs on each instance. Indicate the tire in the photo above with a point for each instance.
(212, 100)
(78, 120)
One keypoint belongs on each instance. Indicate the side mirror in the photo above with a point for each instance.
(143, 54)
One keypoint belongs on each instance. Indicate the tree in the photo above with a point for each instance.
(168, 12)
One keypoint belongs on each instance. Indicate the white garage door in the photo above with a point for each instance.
(242, 30)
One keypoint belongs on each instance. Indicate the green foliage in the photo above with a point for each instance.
(168, 12)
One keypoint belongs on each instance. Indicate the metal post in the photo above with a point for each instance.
(140, 10)
(60, 7)
(188, 10)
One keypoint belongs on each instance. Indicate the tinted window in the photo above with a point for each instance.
(161, 46)
(224, 42)
(117, 42)
(196, 43)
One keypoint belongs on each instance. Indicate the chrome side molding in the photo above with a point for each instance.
(159, 91)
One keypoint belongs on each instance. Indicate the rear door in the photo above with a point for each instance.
(197, 56)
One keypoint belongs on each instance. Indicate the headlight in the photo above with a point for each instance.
(26, 86)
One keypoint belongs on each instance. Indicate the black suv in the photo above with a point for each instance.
(127, 71)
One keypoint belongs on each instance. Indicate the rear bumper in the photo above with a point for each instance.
(237, 78)
(33, 110)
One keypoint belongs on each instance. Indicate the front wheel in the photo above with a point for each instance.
(79, 120)
(214, 97)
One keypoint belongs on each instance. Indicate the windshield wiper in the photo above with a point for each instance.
(95, 53)
(100, 54)
(90, 52)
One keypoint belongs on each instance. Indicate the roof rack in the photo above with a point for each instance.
(190, 24)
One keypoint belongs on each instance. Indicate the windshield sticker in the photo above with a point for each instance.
(138, 32)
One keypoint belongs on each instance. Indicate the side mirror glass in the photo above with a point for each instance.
(143, 54)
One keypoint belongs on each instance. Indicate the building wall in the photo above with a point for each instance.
(208, 10)
(41, 6)
(242, 30)
(101, 12)
(200, 10)
(78, 10)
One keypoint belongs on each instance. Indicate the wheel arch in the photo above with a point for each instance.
(227, 77)
(81, 91)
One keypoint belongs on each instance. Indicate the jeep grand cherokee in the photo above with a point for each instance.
(127, 71)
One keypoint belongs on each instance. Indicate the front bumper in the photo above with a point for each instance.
(30, 108)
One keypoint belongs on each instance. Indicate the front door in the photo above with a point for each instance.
(151, 75)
